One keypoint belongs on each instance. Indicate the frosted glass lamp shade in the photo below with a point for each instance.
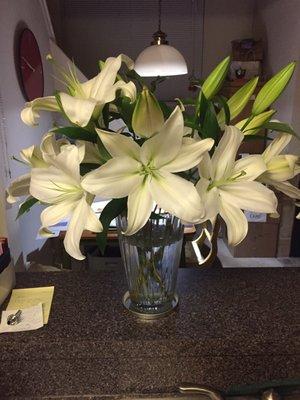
(160, 60)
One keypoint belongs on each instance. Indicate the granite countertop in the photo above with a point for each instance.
(233, 326)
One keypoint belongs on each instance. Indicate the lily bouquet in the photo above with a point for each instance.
(181, 161)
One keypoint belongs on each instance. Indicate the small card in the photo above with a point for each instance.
(30, 319)
(24, 298)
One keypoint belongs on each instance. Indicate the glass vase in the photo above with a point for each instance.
(151, 258)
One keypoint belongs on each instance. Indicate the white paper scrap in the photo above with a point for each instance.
(31, 319)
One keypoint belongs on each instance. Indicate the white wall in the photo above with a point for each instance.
(277, 23)
(225, 21)
(21, 233)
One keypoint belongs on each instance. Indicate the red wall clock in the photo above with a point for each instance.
(29, 66)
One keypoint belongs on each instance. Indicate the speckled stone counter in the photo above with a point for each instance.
(233, 326)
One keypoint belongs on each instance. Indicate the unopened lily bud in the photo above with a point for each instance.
(213, 82)
(147, 117)
(272, 89)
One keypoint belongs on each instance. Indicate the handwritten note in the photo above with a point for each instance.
(24, 298)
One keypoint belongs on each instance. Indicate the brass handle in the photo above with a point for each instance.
(206, 390)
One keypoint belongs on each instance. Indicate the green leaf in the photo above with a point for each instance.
(272, 89)
(25, 207)
(210, 127)
(238, 101)
(77, 133)
(201, 108)
(110, 212)
(213, 82)
(280, 127)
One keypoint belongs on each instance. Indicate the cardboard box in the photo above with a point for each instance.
(261, 241)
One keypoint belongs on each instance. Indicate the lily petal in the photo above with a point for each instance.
(223, 158)
(33, 156)
(115, 179)
(30, 114)
(286, 188)
(236, 222)
(190, 154)
(251, 196)
(77, 224)
(177, 196)
(140, 205)
(78, 110)
(45, 232)
(282, 168)
(276, 146)
(119, 145)
(205, 166)
(127, 90)
(50, 147)
(100, 87)
(52, 186)
(91, 152)
(18, 187)
(164, 147)
(54, 214)
(210, 199)
(68, 161)
(249, 167)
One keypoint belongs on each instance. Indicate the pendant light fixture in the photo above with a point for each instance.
(160, 59)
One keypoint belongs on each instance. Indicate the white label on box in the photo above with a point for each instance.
(255, 216)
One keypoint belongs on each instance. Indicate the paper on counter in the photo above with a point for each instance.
(24, 298)
(31, 319)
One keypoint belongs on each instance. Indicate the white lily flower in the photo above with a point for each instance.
(146, 174)
(281, 167)
(34, 157)
(87, 98)
(60, 186)
(227, 186)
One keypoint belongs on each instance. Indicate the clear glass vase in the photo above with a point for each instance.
(151, 258)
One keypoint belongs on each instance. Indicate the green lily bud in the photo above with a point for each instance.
(238, 101)
(213, 82)
(272, 89)
(147, 117)
(256, 122)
